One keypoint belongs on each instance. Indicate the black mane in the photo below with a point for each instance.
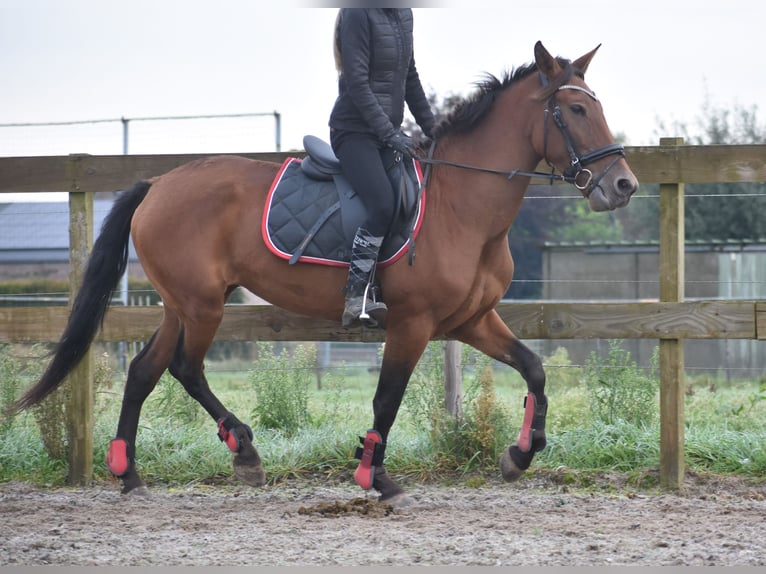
(467, 113)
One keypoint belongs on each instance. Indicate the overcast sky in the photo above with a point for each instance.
(102, 59)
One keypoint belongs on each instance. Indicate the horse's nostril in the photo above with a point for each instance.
(627, 185)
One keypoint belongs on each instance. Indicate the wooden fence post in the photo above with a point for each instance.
(80, 408)
(453, 381)
(672, 350)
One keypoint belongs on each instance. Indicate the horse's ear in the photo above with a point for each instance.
(582, 62)
(546, 63)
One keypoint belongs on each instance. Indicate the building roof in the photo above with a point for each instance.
(39, 231)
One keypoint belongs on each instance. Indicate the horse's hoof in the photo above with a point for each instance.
(400, 500)
(133, 485)
(508, 468)
(252, 475)
(139, 491)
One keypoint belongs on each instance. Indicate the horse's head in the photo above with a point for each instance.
(573, 135)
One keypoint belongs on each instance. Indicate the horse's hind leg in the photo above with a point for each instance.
(188, 367)
(171, 347)
(144, 372)
(493, 337)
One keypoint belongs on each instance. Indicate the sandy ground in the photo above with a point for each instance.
(538, 521)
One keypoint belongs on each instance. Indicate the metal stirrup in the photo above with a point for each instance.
(364, 314)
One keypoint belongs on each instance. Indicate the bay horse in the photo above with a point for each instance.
(196, 235)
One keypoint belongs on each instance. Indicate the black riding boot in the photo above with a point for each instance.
(364, 256)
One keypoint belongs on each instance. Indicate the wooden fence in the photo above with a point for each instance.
(670, 320)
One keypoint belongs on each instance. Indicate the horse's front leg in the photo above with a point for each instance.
(401, 355)
(493, 337)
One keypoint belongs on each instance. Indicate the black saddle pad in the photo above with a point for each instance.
(314, 221)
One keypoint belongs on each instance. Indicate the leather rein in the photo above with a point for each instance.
(576, 174)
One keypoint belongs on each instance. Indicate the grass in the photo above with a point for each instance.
(725, 423)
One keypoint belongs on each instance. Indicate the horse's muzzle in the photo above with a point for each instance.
(614, 190)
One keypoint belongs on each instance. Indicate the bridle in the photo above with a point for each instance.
(576, 174)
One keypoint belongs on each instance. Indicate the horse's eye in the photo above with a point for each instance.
(577, 109)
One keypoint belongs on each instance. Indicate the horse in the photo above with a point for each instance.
(194, 235)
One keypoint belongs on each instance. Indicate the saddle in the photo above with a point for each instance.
(312, 213)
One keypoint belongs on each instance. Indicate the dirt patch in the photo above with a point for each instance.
(543, 520)
(362, 506)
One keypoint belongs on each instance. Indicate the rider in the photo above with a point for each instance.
(376, 76)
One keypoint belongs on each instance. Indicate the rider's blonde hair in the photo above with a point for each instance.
(336, 45)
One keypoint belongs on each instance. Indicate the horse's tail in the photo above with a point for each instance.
(105, 267)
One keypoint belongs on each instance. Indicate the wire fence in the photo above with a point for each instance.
(245, 132)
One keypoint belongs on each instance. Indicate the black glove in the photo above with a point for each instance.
(402, 143)
(428, 130)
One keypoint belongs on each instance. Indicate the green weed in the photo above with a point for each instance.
(11, 377)
(170, 400)
(281, 385)
(619, 390)
(480, 433)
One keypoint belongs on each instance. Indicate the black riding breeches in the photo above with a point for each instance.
(359, 156)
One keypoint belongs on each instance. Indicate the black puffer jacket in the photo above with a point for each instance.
(378, 73)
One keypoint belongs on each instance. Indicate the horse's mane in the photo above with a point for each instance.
(469, 112)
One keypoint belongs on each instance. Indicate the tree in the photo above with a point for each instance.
(714, 211)
(441, 108)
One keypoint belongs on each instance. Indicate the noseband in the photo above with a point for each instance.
(577, 174)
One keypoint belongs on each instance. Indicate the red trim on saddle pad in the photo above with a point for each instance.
(320, 261)
(267, 209)
(117, 457)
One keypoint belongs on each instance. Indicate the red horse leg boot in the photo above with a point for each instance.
(534, 420)
(228, 427)
(117, 457)
(371, 455)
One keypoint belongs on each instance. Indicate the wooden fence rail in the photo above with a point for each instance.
(86, 173)
(529, 320)
(671, 320)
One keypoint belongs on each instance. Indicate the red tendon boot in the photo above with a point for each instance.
(371, 455)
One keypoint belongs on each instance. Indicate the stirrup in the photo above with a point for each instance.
(363, 315)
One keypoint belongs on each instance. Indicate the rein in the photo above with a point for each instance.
(576, 173)
(508, 174)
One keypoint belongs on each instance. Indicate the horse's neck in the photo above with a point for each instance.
(502, 143)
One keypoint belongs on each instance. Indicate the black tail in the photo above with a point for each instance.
(106, 265)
